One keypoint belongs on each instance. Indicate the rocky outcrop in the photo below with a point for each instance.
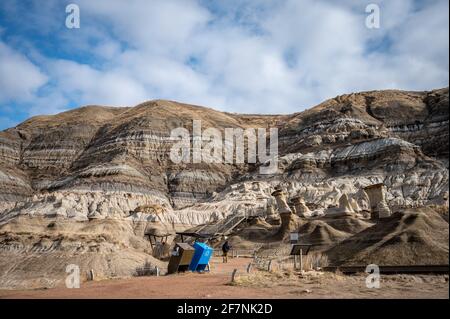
(300, 207)
(125, 150)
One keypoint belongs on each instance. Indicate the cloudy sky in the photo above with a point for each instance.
(252, 56)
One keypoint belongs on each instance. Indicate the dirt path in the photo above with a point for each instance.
(215, 285)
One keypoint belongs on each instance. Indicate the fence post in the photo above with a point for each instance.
(157, 271)
(269, 266)
(91, 274)
(249, 267)
(301, 260)
(233, 275)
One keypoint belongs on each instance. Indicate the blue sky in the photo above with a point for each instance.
(252, 56)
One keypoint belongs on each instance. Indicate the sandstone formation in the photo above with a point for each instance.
(344, 205)
(271, 216)
(287, 218)
(383, 210)
(301, 209)
(282, 206)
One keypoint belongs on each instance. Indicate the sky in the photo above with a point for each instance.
(247, 56)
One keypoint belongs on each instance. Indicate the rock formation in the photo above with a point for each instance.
(282, 206)
(383, 210)
(354, 205)
(271, 216)
(95, 171)
(377, 199)
(286, 215)
(344, 205)
(301, 209)
(344, 208)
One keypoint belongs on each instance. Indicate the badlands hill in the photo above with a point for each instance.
(84, 186)
(412, 237)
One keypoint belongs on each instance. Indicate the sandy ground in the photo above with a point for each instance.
(256, 285)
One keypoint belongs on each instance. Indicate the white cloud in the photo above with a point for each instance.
(19, 78)
(51, 103)
(241, 56)
(91, 86)
(159, 26)
(422, 43)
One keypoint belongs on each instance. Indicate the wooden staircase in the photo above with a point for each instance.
(222, 227)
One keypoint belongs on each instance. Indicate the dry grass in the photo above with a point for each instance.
(312, 261)
(264, 278)
(441, 210)
(286, 277)
(315, 261)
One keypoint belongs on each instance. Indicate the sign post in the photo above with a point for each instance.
(301, 260)
(293, 239)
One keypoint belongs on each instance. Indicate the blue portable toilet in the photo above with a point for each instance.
(201, 257)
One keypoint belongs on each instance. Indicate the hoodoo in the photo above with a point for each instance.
(300, 207)
(287, 217)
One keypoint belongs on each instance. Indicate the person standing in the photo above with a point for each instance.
(225, 249)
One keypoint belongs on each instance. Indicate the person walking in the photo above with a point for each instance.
(225, 249)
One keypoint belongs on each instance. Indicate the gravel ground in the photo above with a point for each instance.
(257, 284)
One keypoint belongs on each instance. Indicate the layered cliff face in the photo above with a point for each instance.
(124, 150)
(97, 164)
(420, 118)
